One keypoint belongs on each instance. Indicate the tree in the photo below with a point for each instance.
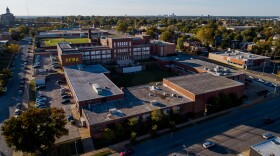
(133, 136)
(122, 26)
(133, 122)
(14, 48)
(206, 35)
(154, 130)
(166, 36)
(156, 116)
(35, 129)
(108, 134)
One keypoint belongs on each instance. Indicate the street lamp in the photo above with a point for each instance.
(274, 64)
(205, 109)
(263, 67)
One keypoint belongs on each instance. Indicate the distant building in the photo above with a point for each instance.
(6, 36)
(269, 147)
(7, 18)
(161, 48)
(240, 59)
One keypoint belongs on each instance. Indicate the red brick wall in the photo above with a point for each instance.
(179, 89)
(71, 59)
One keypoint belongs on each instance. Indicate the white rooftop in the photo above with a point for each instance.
(271, 146)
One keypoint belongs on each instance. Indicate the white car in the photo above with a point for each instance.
(267, 136)
(208, 144)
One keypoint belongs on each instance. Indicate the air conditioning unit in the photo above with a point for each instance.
(113, 110)
(173, 95)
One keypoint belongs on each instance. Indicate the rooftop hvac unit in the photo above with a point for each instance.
(150, 94)
(164, 94)
(153, 102)
(113, 111)
(97, 88)
(173, 95)
(217, 67)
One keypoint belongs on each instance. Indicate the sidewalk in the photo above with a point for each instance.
(84, 132)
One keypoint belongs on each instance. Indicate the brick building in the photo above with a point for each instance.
(184, 64)
(89, 84)
(161, 48)
(112, 106)
(240, 59)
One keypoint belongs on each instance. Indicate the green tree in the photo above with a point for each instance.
(14, 48)
(206, 35)
(133, 123)
(35, 129)
(133, 136)
(166, 36)
(156, 115)
(122, 26)
(154, 130)
(108, 134)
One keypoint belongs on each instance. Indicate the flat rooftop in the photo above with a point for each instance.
(63, 32)
(82, 78)
(241, 55)
(271, 146)
(66, 47)
(137, 100)
(200, 64)
(203, 83)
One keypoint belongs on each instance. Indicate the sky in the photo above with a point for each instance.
(142, 7)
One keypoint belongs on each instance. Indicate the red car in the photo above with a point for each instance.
(127, 152)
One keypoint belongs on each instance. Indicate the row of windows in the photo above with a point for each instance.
(122, 44)
(143, 49)
(97, 52)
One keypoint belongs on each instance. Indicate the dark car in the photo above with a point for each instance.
(67, 96)
(60, 81)
(268, 120)
(41, 87)
(18, 105)
(65, 101)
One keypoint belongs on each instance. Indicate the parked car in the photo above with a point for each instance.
(36, 66)
(71, 119)
(17, 112)
(20, 91)
(65, 101)
(40, 105)
(63, 90)
(60, 81)
(18, 105)
(208, 144)
(41, 96)
(268, 136)
(41, 87)
(63, 93)
(66, 96)
(268, 120)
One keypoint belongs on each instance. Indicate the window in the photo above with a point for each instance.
(97, 129)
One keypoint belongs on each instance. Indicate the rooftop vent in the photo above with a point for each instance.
(153, 102)
(150, 94)
(97, 88)
(173, 95)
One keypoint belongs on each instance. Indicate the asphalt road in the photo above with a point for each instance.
(233, 133)
(11, 97)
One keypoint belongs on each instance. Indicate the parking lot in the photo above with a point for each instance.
(52, 92)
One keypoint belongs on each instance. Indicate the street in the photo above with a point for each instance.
(233, 133)
(11, 97)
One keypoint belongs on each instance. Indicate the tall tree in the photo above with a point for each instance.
(35, 129)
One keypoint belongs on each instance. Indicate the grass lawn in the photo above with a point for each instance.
(151, 74)
(32, 93)
(53, 42)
